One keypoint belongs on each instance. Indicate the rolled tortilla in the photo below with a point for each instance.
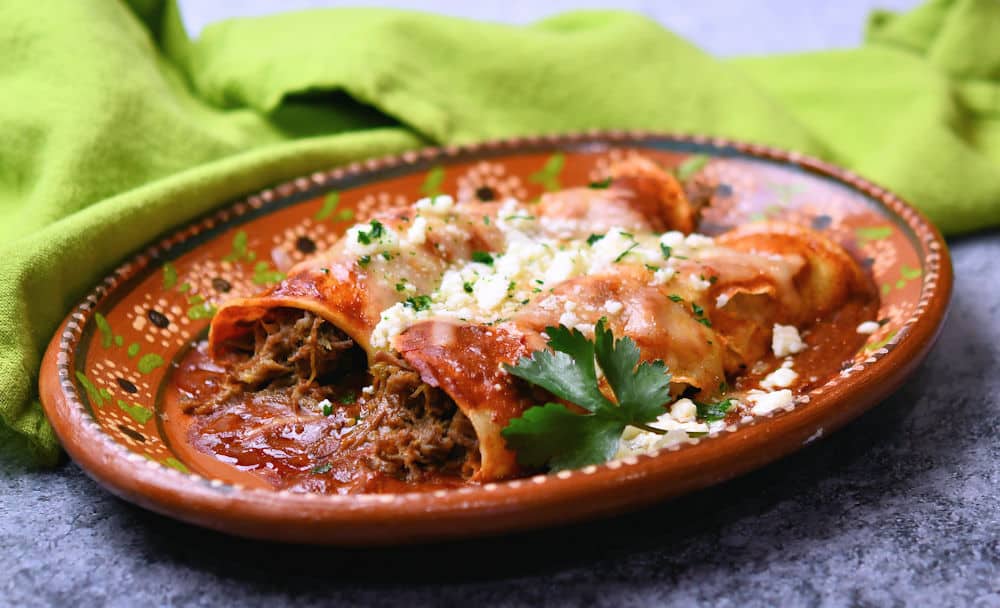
(705, 332)
(350, 284)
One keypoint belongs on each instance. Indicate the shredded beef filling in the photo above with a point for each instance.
(414, 429)
(289, 350)
(407, 429)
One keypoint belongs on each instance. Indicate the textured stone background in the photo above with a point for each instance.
(900, 507)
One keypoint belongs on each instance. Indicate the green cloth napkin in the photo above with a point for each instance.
(116, 127)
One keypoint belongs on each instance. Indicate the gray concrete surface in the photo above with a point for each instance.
(899, 508)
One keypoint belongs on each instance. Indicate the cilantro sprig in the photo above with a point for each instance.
(554, 436)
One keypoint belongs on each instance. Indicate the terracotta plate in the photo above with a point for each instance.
(104, 370)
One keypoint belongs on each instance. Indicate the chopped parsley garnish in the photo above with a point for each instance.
(348, 397)
(401, 286)
(712, 279)
(511, 287)
(666, 251)
(593, 238)
(554, 436)
(486, 220)
(418, 302)
(327, 409)
(374, 233)
(699, 313)
(601, 184)
(675, 298)
(467, 286)
(483, 257)
(710, 412)
(385, 255)
(652, 268)
(519, 217)
(325, 270)
(364, 260)
(622, 255)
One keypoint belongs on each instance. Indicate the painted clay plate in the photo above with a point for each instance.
(103, 374)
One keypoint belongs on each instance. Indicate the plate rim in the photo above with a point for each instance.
(499, 507)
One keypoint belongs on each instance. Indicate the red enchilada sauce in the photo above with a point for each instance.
(263, 434)
(273, 443)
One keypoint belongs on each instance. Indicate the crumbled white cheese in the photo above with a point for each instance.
(868, 327)
(614, 245)
(662, 276)
(563, 266)
(782, 377)
(490, 291)
(672, 239)
(441, 204)
(569, 319)
(698, 283)
(388, 241)
(393, 321)
(767, 402)
(786, 340)
(637, 441)
(417, 233)
(613, 306)
(684, 410)
(323, 404)
(721, 300)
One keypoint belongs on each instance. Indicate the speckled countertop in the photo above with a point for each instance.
(901, 507)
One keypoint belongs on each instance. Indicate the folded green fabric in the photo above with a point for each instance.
(116, 127)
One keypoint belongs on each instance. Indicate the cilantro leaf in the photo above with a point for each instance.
(567, 372)
(641, 394)
(554, 436)
(551, 434)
